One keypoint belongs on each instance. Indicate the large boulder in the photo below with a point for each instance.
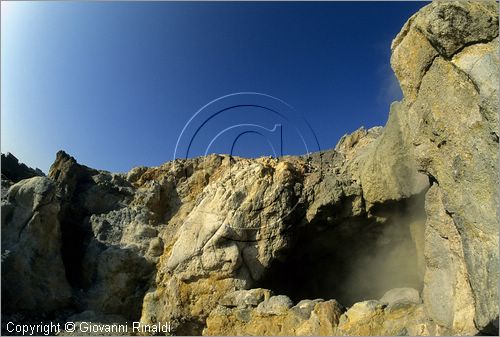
(387, 168)
(451, 118)
(33, 274)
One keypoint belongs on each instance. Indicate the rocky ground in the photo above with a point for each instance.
(393, 232)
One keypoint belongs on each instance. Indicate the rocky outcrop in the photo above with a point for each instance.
(450, 112)
(109, 230)
(33, 277)
(257, 312)
(14, 171)
(395, 231)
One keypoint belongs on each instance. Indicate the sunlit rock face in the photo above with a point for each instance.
(392, 232)
(452, 121)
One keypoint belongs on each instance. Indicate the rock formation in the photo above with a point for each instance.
(14, 171)
(395, 231)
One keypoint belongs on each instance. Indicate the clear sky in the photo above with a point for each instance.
(114, 84)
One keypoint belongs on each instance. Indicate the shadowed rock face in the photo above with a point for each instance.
(395, 231)
(32, 269)
(14, 171)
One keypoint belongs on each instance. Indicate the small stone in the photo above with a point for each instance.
(275, 305)
(245, 298)
(401, 295)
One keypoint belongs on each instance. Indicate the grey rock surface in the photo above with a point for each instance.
(199, 242)
(33, 275)
(454, 131)
(275, 305)
(401, 295)
(245, 298)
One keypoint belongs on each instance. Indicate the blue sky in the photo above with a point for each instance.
(114, 84)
